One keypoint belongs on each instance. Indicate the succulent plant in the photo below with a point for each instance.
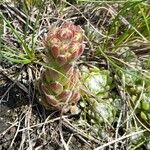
(138, 88)
(100, 106)
(96, 80)
(59, 85)
(64, 44)
(58, 90)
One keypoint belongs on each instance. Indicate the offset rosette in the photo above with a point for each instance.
(100, 102)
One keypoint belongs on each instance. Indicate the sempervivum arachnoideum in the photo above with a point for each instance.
(59, 85)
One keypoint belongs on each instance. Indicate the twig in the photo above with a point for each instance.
(68, 142)
(117, 128)
(15, 82)
(12, 142)
(81, 133)
(14, 11)
(43, 123)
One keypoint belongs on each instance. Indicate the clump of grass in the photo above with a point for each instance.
(26, 53)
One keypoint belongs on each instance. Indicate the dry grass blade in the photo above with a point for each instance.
(119, 139)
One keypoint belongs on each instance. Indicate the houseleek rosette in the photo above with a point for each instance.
(64, 44)
(100, 105)
(59, 84)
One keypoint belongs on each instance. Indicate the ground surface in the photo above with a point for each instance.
(116, 39)
(17, 111)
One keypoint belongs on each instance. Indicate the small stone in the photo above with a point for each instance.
(74, 110)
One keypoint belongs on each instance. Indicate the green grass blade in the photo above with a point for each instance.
(15, 58)
(115, 65)
(25, 46)
(35, 25)
(146, 20)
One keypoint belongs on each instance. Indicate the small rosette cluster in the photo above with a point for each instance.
(100, 102)
(59, 84)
